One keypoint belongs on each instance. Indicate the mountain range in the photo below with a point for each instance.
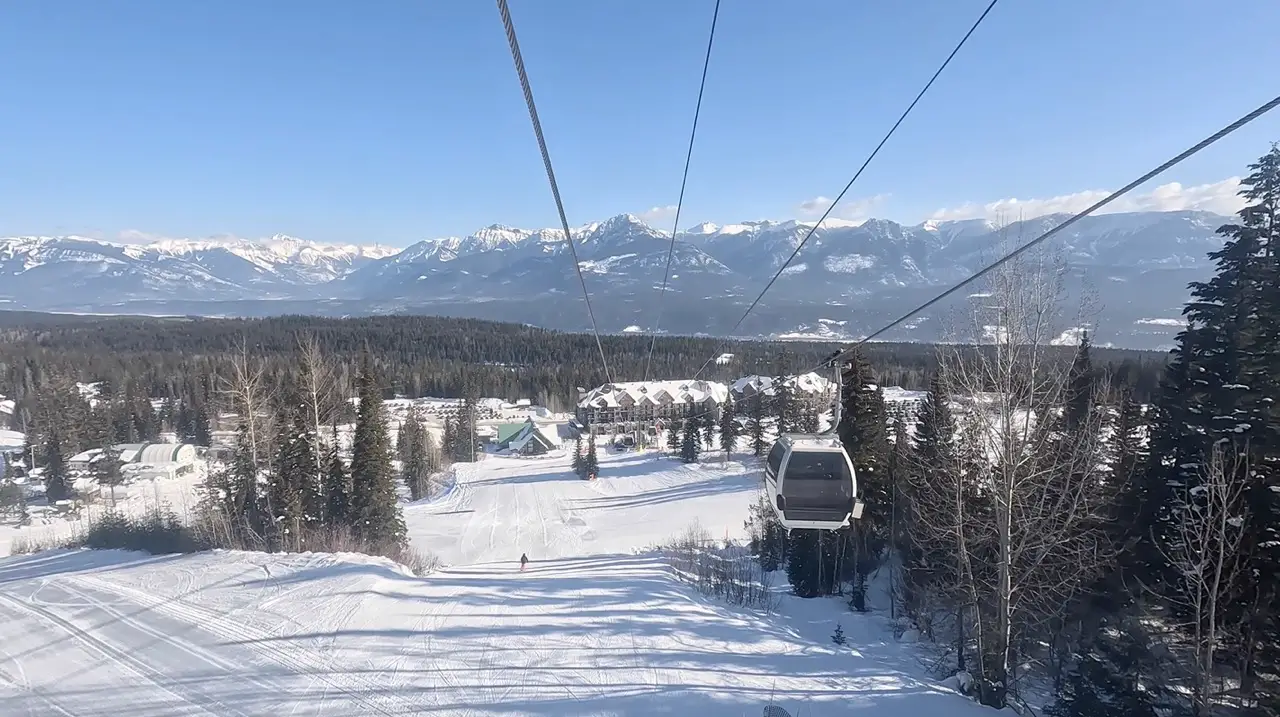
(849, 279)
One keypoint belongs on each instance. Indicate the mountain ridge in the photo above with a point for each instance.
(876, 266)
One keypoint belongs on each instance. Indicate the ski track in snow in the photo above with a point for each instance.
(591, 627)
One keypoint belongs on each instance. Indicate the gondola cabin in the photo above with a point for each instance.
(811, 482)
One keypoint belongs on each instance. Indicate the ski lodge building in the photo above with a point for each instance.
(626, 407)
(810, 389)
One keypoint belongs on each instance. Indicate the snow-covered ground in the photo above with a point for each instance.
(595, 626)
(502, 507)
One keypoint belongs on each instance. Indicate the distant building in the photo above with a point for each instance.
(531, 439)
(810, 389)
(143, 460)
(641, 404)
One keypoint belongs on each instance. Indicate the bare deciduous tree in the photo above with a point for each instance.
(318, 385)
(1025, 511)
(1206, 554)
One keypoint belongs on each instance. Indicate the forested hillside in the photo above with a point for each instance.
(188, 358)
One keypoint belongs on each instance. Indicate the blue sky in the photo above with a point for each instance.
(398, 120)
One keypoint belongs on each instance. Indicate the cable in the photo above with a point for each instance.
(675, 225)
(858, 174)
(551, 175)
(1265, 108)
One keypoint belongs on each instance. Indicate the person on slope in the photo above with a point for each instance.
(524, 560)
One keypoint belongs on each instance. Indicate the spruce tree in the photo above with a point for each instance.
(106, 470)
(579, 461)
(1081, 380)
(674, 436)
(56, 485)
(415, 466)
(708, 423)
(755, 425)
(449, 440)
(1222, 387)
(784, 405)
(337, 490)
(728, 427)
(293, 494)
(863, 433)
(591, 462)
(690, 446)
(374, 513)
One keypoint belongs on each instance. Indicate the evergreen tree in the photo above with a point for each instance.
(768, 540)
(106, 470)
(579, 461)
(708, 422)
(1106, 678)
(1081, 380)
(1222, 387)
(375, 515)
(690, 446)
(449, 440)
(674, 436)
(337, 490)
(728, 427)
(862, 430)
(813, 562)
(415, 460)
(293, 495)
(755, 425)
(56, 486)
(784, 407)
(591, 462)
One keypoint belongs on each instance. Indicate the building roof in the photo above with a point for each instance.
(533, 432)
(805, 383)
(655, 392)
(507, 431)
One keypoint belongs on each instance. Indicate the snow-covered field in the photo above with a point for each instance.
(595, 626)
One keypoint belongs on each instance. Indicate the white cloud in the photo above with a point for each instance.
(851, 209)
(659, 217)
(1220, 197)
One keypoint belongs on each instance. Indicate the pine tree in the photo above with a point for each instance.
(293, 495)
(375, 515)
(768, 540)
(784, 404)
(1081, 379)
(708, 422)
(579, 461)
(415, 462)
(106, 470)
(690, 446)
(812, 562)
(337, 490)
(591, 462)
(56, 486)
(449, 440)
(862, 430)
(755, 425)
(674, 436)
(1222, 387)
(728, 427)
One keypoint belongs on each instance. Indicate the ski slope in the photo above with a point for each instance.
(502, 507)
(593, 627)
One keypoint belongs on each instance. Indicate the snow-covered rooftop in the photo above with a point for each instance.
(807, 383)
(655, 392)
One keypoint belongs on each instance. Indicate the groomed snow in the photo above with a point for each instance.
(596, 626)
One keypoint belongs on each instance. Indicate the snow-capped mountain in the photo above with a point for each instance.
(854, 272)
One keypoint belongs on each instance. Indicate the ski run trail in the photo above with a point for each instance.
(598, 624)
